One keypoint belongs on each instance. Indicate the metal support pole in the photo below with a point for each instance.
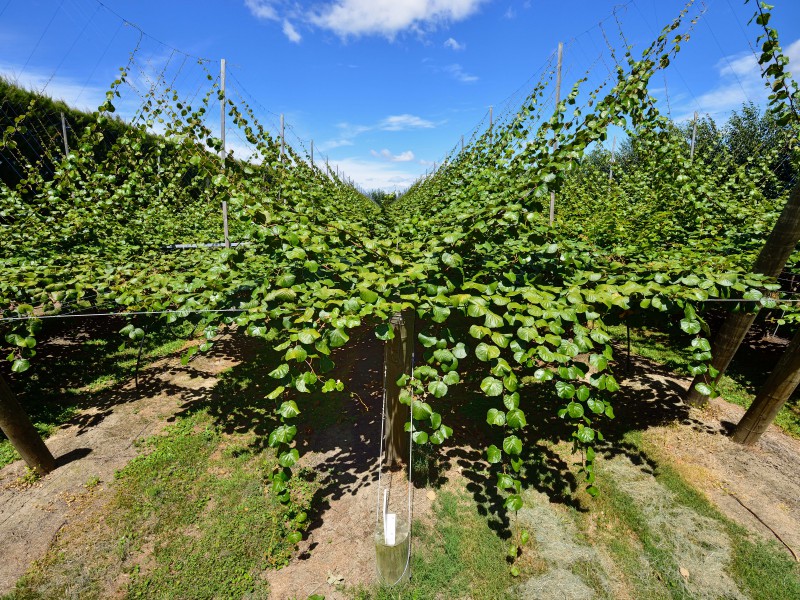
(283, 139)
(312, 153)
(222, 145)
(64, 133)
(611, 163)
(462, 144)
(558, 100)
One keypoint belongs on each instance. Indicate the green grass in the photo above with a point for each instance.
(457, 556)
(54, 390)
(738, 386)
(189, 518)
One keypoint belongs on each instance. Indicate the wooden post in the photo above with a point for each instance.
(64, 133)
(491, 122)
(312, 153)
(781, 384)
(397, 356)
(222, 148)
(558, 99)
(462, 144)
(22, 434)
(694, 136)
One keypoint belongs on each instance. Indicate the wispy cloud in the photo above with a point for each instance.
(290, 32)
(331, 144)
(739, 81)
(454, 45)
(404, 122)
(356, 18)
(406, 156)
(458, 73)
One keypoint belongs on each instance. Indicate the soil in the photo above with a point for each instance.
(755, 486)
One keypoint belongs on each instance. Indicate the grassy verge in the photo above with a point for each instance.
(738, 385)
(76, 373)
(457, 555)
(761, 569)
(191, 517)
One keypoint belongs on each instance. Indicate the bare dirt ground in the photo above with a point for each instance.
(94, 444)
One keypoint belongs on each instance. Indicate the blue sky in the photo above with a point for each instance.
(385, 88)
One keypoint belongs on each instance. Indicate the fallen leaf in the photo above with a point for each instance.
(334, 579)
(684, 573)
(431, 495)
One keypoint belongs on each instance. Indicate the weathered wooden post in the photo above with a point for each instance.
(22, 434)
(397, 356)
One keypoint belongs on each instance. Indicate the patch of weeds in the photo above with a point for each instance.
(456, 556)
(92, 482)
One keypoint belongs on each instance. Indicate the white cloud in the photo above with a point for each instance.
(739, 81)
(458, 73)
(404, 122)
(290, 32)
(454, 45)
(331, 144)
(390, 17)
(263, 9)
(371, 174)
(406, 156)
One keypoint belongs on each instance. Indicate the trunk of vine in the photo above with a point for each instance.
(773, 256)
(779, 387)
(397, 357)
(21, 433)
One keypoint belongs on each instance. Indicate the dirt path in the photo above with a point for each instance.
(94, 444)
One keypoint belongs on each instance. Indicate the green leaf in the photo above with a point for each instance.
(575, 410)
(280, 371)
(495, 417)
(691, 326)
(437, 388)
(20, 365)
(294, 538)
(451, 378)
(704, 389)
(288, 458)
(513, 502)
(338, 337)
(512, 445)
(283, 434)
(493, 321)
(493, 454)
(440, 314)
(426, 340)
(308, 336)
(421, 410)
(436, 420)
(419, 437)
(516, 419)
(565, 390)
(486, 352)
(492, 386)
(504, 481)
(289, 409)
(511, 401)
(368, 296)
(583, 393)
